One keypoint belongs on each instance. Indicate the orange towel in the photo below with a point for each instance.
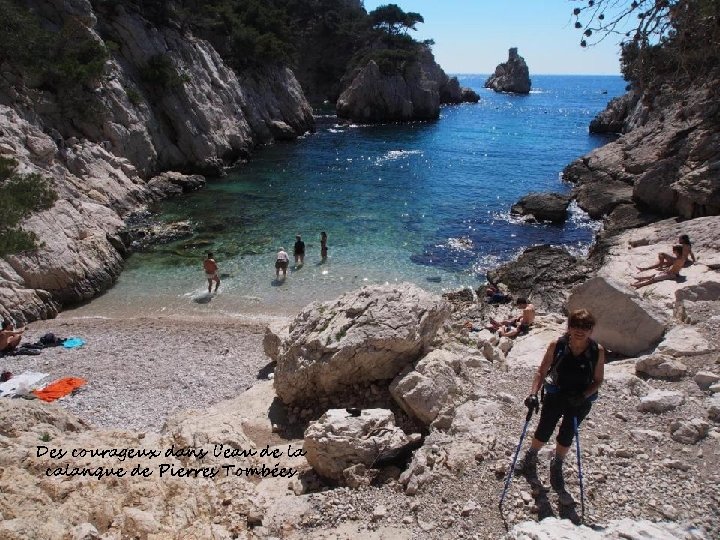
(59, 388)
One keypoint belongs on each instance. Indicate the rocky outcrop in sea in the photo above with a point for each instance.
(415, 92)
(102, 163)
(512, 76)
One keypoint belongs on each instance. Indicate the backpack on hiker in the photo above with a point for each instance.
(571, 377)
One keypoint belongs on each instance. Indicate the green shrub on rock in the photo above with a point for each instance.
(20, 195)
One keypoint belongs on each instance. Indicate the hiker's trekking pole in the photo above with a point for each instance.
(533, 406)
(580, 474)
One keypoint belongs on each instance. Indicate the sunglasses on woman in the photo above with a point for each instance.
(581, 325)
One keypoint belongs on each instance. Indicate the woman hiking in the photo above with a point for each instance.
(571, 372)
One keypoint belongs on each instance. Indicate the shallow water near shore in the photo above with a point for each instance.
(425, 202)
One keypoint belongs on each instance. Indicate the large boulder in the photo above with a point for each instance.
(425, 390)
(339, 440)
(625, 323)
(511, 76)
(543, 207)
(543, 274)
(365, 335)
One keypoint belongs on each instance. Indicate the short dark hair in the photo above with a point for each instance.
(581, 318)
(6, 323)
(521, 300)
(684, 239)
(210, 255)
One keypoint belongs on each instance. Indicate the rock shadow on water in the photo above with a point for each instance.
(204, 298)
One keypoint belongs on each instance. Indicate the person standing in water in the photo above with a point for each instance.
(299, 251)
(281, 262)
(211, 272)
(323, 246)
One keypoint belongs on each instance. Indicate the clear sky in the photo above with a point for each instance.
(473, 36)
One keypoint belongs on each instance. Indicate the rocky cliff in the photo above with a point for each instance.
(165, 100)
(511, 76)
(666, 164)
(413, 91)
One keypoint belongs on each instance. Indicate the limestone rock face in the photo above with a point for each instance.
(511, 76)
(613, 118)
(542, 274)
(543, 207)
(99, 162)
(338, 440)
(364, 335)
(666, 159)
(37, 506)
(423, 391)
(373, 95)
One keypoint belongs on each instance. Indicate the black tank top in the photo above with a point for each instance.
(570, 373)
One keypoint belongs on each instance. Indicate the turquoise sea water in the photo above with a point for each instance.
(423, 202)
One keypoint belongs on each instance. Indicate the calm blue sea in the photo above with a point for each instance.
(426, 202)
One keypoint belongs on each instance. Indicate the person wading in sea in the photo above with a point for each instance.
(211, 272)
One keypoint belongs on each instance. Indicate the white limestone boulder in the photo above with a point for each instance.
(659, 366)
(475, 420)
(365, 335)
(705, 379)
(528, 350)
(689, 431)
(660, 401)
(713, 411)
(625, 323)
(563, 529)
(338, 440)
(424, 391)
(684, 341)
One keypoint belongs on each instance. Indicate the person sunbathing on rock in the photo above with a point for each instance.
(671, 273)
(516, 325)
(10, 337)
(665, 260)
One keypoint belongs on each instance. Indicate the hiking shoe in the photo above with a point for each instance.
(528, 465)
(556, 475)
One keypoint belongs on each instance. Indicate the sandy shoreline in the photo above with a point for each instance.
(142, 370)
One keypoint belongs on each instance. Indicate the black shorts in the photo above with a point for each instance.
(554, 407)
(281, 265)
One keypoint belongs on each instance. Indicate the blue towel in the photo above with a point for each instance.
(73, 342)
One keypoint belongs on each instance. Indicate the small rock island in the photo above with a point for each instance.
(512, 76)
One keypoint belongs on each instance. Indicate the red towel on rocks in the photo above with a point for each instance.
(59, 388)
